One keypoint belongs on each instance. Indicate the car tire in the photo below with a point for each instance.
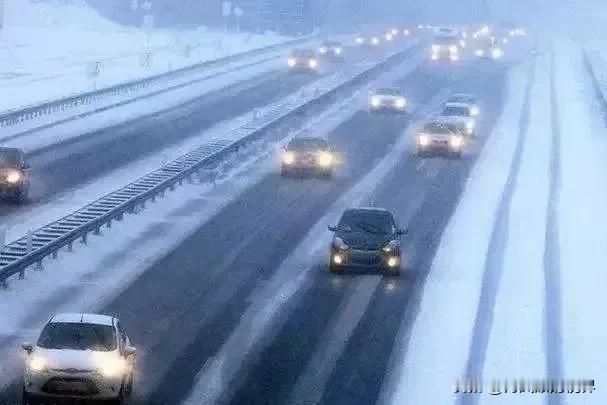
(333, 269)
(27, 399)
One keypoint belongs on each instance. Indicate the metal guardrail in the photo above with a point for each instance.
(15, 117)
(601, 91)
(31, 249)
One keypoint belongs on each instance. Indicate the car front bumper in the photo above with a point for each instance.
(87, 385)
(365, 258)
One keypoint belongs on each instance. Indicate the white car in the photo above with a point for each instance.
(388, 99)
(445, 47)
(79, 356)
(465, 98)
(444, 135)
(460, 112)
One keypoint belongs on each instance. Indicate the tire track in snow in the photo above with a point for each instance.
(494, 262)
(552, 266)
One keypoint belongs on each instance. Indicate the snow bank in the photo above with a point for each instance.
(49, 50)
(582, 218)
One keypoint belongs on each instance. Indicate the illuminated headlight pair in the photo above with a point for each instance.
(107, 366)
(324, 159)
(13, 177)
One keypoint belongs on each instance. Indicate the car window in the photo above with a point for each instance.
(78, 336)
(367, 222)
(308, 144)
(440, 127)
(460, 99)
(445, 41)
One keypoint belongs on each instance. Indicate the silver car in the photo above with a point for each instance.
(442, 135)
(388, 99)
(79, 356)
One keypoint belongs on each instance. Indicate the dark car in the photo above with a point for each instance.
(332, 50)
(303, 60)
(367, 237)
(308, 155)
(14, 181)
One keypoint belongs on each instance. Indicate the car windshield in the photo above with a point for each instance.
(445, 41)
(461, 99)
(331, 44)
(78, 336)
(455, 111)
(440, 127)
(9, 157)
(308, 144)
(303, 53)
(367, 222)
(388, 92)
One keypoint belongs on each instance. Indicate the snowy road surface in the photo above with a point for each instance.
(503, 276)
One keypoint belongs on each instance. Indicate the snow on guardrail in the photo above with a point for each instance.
(597, 69)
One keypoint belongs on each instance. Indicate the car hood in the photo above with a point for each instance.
(79, 360)
(363, 240)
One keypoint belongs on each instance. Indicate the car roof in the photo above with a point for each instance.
(94, 319)
(388, 90)
(368, 209)
(457, 105)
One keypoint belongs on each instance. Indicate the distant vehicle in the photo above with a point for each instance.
(14, 180)
(79, 357)
(368, 41)
(445, 47)
(331, 50)
(464, 98)
(308, 155)
(489, 49)
(367, 237)
(388, 99)
(305, 60)
(442, 135)
(460, 112)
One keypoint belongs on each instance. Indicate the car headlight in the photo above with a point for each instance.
(393, 261)
(13, 177)
(497, 53)
(388, 37)
(505, 40)
(456, 141)
(453, 49)
(454, 56)
(435, 48)
(423, 140)
(434, 56)
(480, 52)
(325, 159)
(339, 244)
(394, 31)
(406, 32)
(375, 102)
(375, 41)
(291, 62)
(288, 158)
(338, 51)
(462, 43)
(322, 50)
(469, 127)
(475, 111)
(313, 63)
(401, 102)
(359, 40)
(38, 364)
(112, 366)
(392, 246)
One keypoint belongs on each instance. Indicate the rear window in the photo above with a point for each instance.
(461, 99)
(308, 144)
(303, 53)
(332, 44)
(78, 336)
(367, 221)
(456, 111)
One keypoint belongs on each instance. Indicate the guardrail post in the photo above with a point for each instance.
(70, 246)
(83, 239)
(3, 284)
(97, 230)
(39, 266)
(30, 241)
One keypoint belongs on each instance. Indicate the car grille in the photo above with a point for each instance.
(70, 386)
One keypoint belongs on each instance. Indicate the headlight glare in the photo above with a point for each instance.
(480, 52)
(325, 159)
(338, 51)
(13, 177)
(112, 367)
(322, 50)
(288, 158)
(497, 53)
(475, 111)
(401, 102)
(435, 48)
(37, 364)
(453, 49)
(313, 63)
(456, 141)
(359, 40)
(423, 139)
(291, 62)
(375, 102)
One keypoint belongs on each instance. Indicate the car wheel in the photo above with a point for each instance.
(333, 269)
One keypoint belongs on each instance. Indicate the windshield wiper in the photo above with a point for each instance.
(107, 347)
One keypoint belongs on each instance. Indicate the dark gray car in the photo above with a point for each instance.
(367, 237)
(14, 180)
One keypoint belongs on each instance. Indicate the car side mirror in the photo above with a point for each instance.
(332, 228)
(25, 166)
(129, 351)
(27, 347)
